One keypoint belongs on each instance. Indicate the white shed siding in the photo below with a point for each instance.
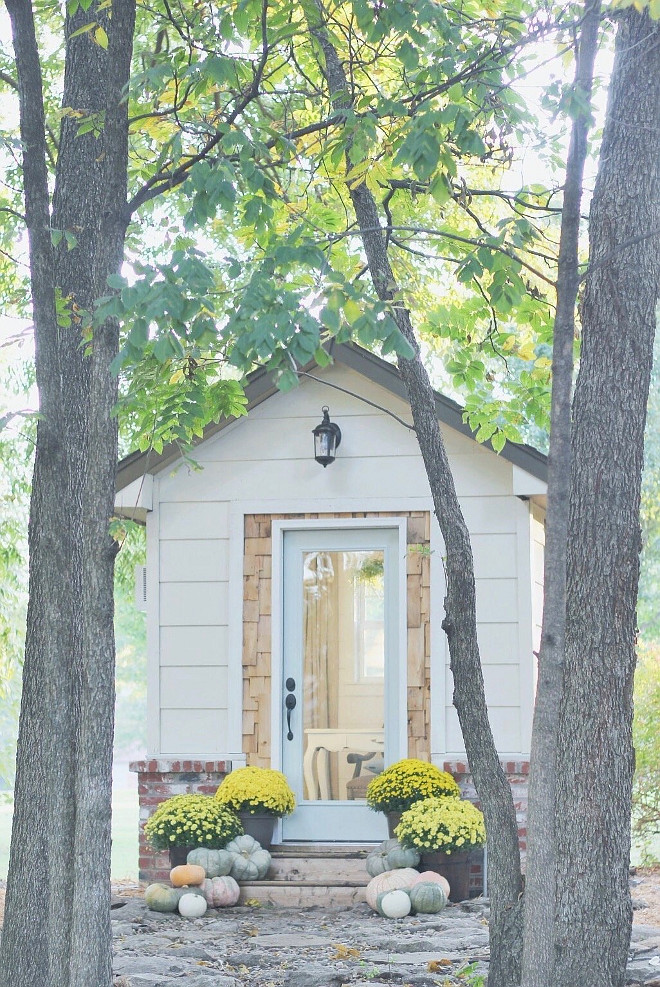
(264, 464)
(500, 540)
(537, 521)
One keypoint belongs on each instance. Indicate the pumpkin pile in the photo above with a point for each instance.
(210, 878)
(396, 889)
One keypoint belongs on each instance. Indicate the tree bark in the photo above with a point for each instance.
(57, 929)
(460, 623)
(539, 905)
(596, 758)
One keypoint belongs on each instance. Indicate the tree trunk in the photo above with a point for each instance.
(595, 758)
(539, 903)
(57, 928)
(460, 624)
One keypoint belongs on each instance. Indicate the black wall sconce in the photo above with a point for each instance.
(327, 438)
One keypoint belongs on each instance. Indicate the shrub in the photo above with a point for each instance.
(646, 737)
(192, 820)
(257, 790)
(407, 781)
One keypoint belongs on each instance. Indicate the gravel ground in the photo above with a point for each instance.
(316, 947)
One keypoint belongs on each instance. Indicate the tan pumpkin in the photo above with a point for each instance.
(221, 892)
(187, 874)
(391, 880)
(431, 877)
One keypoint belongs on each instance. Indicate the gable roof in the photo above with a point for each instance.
(261, 386)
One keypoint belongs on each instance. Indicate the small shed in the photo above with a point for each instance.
(271, 579)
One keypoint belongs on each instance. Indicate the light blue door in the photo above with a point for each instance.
(341, 686)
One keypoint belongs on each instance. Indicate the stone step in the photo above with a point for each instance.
(320, 864)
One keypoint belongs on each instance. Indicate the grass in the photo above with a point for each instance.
(124, 834)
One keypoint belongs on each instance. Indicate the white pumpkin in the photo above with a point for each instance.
(192, 905)
(391, 880)
(394, 904)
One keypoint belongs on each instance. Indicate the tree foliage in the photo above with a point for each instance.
(16, 443)
(646, 790)
(233, 132)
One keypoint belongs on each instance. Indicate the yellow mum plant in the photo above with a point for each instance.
(406, 782)
(257, 791)
(448, 825)
(192, 820)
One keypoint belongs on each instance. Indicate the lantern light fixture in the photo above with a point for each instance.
(327, 438)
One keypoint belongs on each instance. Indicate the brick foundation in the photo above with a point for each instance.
(159, 780)
(517, 773)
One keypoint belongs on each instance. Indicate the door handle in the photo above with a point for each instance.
(290, 703)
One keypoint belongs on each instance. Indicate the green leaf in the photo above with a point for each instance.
(84, 30)
(100, 37)
(498, 441)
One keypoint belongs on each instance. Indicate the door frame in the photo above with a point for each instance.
(399, 745)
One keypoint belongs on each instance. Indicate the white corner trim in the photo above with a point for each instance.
(526, 485)
(137, 498)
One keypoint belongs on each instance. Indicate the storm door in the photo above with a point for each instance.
(340, 687)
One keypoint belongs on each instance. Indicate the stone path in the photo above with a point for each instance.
(268, 946)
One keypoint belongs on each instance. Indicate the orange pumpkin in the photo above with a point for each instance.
(187, 874)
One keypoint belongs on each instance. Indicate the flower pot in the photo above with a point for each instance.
(456, 867)
(179, 855)
(393, 820)
(259, 826)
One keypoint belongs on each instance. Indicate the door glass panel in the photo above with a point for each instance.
(343, 692)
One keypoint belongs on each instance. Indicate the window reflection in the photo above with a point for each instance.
(344, 671)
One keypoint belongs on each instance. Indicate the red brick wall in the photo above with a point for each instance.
(158, 780)
(517, 773)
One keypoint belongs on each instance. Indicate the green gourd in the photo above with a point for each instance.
(394, 904)
(390, 855)
(433, 877)
(427, 898)
(162, 898)
(250, 861)
(216, 863)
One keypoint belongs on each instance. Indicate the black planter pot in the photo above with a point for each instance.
(455, 867)
(179, 855)
(259, 826)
